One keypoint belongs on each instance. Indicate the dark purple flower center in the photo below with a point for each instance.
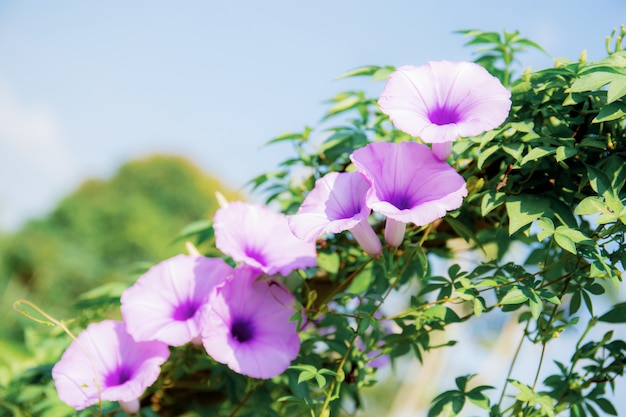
(257, 255)
(242, 330)
(401, 201)
(118, 377)
(444, 116)
(185, 311)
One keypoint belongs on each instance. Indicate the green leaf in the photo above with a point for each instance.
(301, 136)
(535, 305)
(590, 205)
(195, 228)
(537, 153)
(616, 315)
(524, 126)
(565, 152)
(606, 406)
(575, 235)
(362, 281)
(550, 297)
(442, 313)
(485, 154)
(448, 404)
(321, 381)
(479, 306)
(575, 302)
(514, 296)
(613, 111)
(461, 229)
(375, 71)
(567, 238)
(461, 381)
(592, 81)
(305, 376)
(617, 89)
(328, 261)
(600, 182)
(343, 103)
(617, 168)
(479, 399)
(547, 228)
(524, 209)
(527, 395)
(514, 149)
(491, 200)
(383, 73)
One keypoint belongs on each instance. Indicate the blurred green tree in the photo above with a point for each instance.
(101, 232)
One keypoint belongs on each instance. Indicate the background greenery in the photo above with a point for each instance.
(103, 233)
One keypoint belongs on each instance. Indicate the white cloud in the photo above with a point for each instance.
(35, 163)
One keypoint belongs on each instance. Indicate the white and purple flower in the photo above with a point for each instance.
(261, 238)
(408, 185)
(248, 325)
(442, 101)
(337, 203)
(106, 363)
(164, 302)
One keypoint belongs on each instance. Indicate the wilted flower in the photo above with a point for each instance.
(442, 101)
(164, 302)
(337, 203)
(248, 325)
(105, 362)
(408, 185)
(261, 238)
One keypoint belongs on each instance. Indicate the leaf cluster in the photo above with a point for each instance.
(549, 180)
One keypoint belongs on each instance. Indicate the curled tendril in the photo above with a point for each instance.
(51, 321)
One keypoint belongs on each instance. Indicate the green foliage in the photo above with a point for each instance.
(498, 52)
(98, 234)
(549, 179)
(450, 403)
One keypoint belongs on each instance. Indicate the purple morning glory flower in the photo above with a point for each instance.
(248, 326)
(261, 238)
(408, 185)
(163, 304)
(105, 355)
(442, 101)
(337, 203)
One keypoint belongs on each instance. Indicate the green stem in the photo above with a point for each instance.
(241, 403)
(54, 322)
(324, 412)
(510, 372)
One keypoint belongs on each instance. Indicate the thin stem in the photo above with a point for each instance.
(543, 351)
(344, 358)
(241, 403)
(342, 362)
(54, 322)
(508, 375)
(429, 229)
(339, 288)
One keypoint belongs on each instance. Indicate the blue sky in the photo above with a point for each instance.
(86, 86)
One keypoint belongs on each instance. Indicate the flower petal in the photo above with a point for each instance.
(163, 303)
(271, 339)
(441, 101)
(336, 203)
(100, 351)
(261, 238)
(409, 184)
